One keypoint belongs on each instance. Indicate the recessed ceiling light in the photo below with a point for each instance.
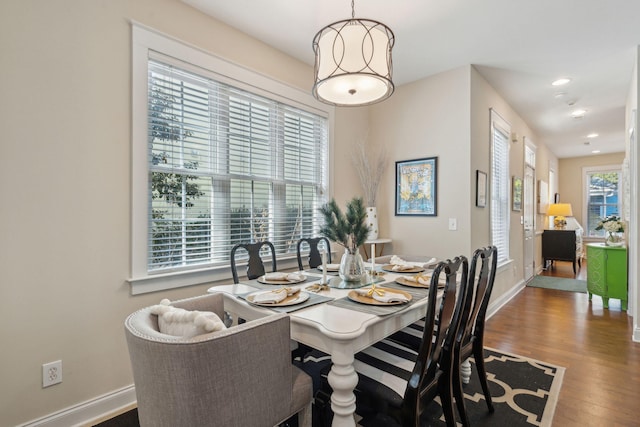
(592, 135)
(595, 151)
(560, 82)
(577, 114)
(560, 95)
(587, 143)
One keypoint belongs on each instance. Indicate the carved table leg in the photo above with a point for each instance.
(343, 380)
(465, 371)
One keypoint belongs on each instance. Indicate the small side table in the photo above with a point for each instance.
(607, 273)
(378, 242)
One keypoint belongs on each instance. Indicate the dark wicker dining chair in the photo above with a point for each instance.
(255, 266)
(315, 258)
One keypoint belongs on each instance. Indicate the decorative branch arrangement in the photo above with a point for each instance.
(369, 170)
(347, 229)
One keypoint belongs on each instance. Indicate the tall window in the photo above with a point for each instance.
(227, 166)
(602, 189)
(500, 132)
(221, 155)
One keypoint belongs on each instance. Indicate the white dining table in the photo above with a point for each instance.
(338, 331)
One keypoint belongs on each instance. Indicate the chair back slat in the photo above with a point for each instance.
(255, 266)
(482, 273)
(315, 258)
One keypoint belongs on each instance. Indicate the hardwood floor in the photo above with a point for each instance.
(601, 384)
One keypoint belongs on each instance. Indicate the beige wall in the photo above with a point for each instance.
(483, 98)
(65, 183)
(65, 180)
(570, 179)
(427, 118)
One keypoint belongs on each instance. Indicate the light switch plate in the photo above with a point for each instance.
(453, 224)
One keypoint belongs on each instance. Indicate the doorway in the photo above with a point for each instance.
(528, 206)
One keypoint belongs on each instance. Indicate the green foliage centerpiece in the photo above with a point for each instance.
(349, 230)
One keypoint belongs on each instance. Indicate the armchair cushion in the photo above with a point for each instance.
(185, 323)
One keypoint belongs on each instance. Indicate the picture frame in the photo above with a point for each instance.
(516, 193)
(481, 189)
(416, 187)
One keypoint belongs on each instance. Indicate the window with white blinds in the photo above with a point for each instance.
(227, 166)
(500, 131)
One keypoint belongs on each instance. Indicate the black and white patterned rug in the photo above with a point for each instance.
(524, 393)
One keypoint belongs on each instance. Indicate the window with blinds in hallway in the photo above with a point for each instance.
(500, 133)
(227, 166)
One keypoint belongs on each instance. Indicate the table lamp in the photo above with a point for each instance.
(560, 211)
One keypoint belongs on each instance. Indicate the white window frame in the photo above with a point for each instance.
(500, 191)
(144, 42)
(585, 194)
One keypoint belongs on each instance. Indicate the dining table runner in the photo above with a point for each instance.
(383, 310)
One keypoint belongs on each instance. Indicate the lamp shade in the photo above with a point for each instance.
(353, 63)
(560, 209)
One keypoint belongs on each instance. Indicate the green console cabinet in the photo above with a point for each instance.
(607, 273)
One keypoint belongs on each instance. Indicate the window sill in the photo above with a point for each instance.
(181, 279)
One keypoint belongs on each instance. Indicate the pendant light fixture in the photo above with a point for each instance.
(353, 62)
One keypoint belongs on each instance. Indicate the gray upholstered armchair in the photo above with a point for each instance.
(241, 376)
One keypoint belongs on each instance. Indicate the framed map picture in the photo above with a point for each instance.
(416, 187)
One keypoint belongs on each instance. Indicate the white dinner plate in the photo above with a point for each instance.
(298, 298)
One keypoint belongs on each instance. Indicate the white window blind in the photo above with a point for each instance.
(227, 166)
(500, 131)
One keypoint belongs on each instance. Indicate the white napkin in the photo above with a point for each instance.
(403, 267)
(399, 264)
(295, 277)
(387, 296)
(420, 279)
(275, 296)
(430, 262)
(330, 267)
(279, 277)
(275, 276)
(269, 297)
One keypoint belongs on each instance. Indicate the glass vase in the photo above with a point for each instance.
(351, 267)
(614, 239)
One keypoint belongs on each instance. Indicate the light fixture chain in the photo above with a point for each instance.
(353, 9)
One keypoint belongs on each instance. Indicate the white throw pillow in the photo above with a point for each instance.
(184, 323)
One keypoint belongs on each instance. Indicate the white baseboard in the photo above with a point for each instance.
(90, 412)
(636, 334)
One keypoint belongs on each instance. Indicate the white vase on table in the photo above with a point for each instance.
(372, 222)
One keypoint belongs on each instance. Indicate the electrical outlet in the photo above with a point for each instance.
(51, 373)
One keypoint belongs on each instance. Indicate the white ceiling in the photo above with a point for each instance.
(519, 46)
